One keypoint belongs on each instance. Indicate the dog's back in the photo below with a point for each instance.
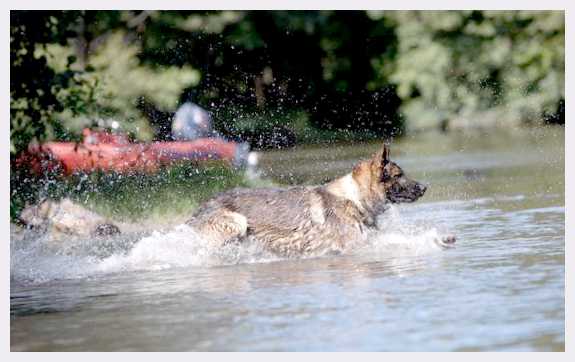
(288, 221)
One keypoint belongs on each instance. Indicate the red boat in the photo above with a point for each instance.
(105, 151)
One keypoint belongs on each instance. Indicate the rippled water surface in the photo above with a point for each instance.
(501, 288)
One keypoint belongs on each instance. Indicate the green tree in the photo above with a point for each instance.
(37, 91)
(478, 68)
(74, 69)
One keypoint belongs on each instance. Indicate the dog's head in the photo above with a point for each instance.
(381, 180)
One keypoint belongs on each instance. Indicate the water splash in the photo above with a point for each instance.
(399, 236)
(34, 258)
(183, 247)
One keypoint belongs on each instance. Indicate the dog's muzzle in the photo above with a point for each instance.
(407, 193)
(420, 189)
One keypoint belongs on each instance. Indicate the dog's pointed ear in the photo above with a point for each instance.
(382, 156)
(385, 153)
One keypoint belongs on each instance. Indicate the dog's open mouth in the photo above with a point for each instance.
(446, 242)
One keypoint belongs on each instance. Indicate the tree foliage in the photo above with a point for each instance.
(37, 91)
(346, 70)
(479, 67)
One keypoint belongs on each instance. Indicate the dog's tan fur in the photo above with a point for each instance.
(299, 220)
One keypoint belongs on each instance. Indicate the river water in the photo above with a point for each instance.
(501, 288)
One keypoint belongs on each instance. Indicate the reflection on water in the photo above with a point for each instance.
(501, 288)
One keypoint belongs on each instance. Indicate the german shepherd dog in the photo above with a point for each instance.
(329, 218)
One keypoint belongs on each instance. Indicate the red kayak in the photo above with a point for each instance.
(114, 152)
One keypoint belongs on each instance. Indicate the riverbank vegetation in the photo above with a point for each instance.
(174, 191)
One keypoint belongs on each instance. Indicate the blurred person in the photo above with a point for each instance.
(192, 122)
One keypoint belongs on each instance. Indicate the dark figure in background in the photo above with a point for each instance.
(189, 122)
(192, 122)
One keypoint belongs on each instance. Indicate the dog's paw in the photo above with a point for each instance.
(447, 241)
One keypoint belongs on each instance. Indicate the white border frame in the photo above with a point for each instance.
(301, 5)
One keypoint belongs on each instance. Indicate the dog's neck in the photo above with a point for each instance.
(346, 188)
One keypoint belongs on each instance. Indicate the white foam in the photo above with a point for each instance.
(32, 261)
(397, 236)
(180, 248)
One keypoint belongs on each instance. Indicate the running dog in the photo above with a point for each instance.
(329, 218)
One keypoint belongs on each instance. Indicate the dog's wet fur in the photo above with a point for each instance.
(310, 219)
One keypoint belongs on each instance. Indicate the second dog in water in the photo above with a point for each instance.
(310, 219)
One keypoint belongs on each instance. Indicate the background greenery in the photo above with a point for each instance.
(173, 191)
(367, 72)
